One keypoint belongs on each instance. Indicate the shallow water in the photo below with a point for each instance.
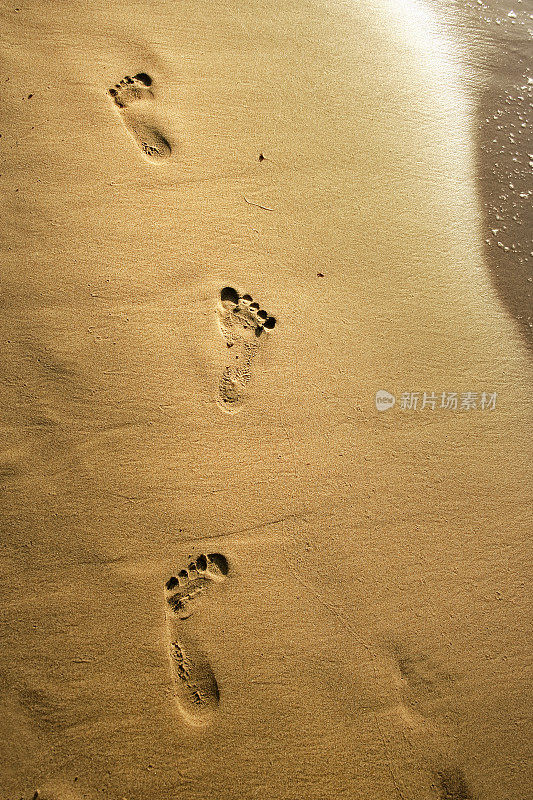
(494, 42)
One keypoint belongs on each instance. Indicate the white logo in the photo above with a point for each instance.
(431, 401)
(384, 400)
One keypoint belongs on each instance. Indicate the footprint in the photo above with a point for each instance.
(133, 98)
(242, 322)
(196, 690)
(423, 685)
(190, 582)
(451, 785)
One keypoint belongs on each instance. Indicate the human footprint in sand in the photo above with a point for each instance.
(195, 687)
(133, 97)
(242, 322)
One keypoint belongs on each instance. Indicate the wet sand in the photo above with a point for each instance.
(226, 574)
(495, 42)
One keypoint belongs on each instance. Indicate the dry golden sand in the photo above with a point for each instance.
(351, 617)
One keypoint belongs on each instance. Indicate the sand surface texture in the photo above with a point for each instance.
(225, 574)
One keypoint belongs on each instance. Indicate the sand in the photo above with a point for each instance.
(226, 573)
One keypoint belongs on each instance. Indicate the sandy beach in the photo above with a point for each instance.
(266, 401)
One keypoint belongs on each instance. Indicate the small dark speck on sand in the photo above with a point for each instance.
(320, 274)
